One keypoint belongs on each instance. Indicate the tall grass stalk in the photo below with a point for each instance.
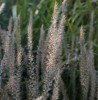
(84, 72)
(91, 59)
(33, 75)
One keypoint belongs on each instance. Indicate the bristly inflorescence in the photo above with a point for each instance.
(84, 72)
(33, 90)
(53, 50)
(18, 66)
